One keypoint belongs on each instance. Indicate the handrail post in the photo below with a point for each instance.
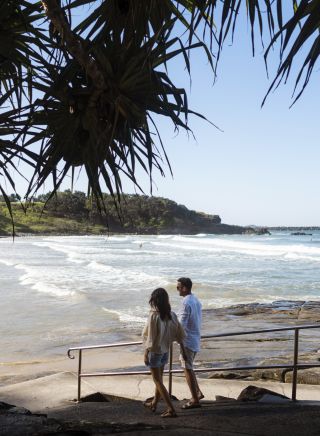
(79, 374)
(170, 371)
(295, 362)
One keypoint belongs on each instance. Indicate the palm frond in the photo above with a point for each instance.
(88, 95)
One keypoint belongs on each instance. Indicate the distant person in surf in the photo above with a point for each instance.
(190, 316)
(161, 330)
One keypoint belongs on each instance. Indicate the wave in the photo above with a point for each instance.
(125, 275)
(126, 317)
(75, 254)
(201, 242)
(79, 254)
(220, 245)
(117, 238)
(31, 279)
(295, 256)
(6, 262)
(135, 251)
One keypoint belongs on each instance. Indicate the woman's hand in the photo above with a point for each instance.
(146, 358)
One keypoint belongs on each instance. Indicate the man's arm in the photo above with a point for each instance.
(184, 315)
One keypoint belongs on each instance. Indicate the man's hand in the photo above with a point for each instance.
(145, 358)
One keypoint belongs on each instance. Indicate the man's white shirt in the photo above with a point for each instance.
(190, 318)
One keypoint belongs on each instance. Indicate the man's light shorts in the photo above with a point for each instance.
(187, 364)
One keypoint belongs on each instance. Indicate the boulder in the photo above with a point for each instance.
(19, 410)
(310, 376)
(310, 310)
(96, 397)
(254, 393)
(5, 406)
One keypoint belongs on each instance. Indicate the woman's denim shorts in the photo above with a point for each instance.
(157, 360)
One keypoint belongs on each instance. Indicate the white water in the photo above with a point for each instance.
(62, 291)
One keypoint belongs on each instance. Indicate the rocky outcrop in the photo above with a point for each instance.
(263, 349)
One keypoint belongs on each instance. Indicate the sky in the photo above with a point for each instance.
(261, 168)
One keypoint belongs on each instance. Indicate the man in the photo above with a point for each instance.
(190, 318)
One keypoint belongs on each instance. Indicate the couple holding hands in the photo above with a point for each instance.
(164, 327)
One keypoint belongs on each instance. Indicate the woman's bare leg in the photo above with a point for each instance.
(157, 374)
(157, 394)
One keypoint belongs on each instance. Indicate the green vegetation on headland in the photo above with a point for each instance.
(72, 213)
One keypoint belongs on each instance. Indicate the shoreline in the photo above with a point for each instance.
(93, 360)
(257, 349)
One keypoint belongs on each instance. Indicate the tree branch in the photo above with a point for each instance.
(74, 45)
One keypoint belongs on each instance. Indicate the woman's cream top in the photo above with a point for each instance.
(158, 335)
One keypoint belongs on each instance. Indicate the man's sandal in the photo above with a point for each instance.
(169, 414)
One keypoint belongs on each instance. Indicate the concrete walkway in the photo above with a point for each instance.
(41, 394)
(53, 396)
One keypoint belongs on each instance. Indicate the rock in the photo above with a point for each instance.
(5, 406)
(268, 398)
(222, 399)
(19, 410)
(254, 393)
(310, 376)
(257, 231)
(274, 348)
(13, 424)
(271, 373)
(310, 310)
(96, 397)
(231, 375)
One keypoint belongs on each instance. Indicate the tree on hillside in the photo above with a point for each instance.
(67, 203)
(82, 82)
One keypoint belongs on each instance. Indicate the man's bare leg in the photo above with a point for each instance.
(199, 392)
(193, 385)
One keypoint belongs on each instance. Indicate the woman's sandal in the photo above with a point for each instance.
(149, 405)
(169, 414)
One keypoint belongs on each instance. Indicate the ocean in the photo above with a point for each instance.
(64, 291)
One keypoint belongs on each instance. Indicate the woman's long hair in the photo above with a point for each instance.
(159, 300)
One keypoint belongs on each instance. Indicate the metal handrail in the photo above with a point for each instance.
(294, 366)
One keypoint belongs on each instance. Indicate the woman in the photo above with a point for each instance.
(160, 331)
